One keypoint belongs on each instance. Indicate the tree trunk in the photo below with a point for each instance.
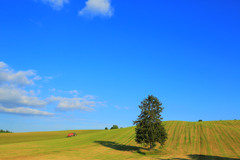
(150, 146)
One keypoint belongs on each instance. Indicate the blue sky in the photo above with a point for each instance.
(87, 64)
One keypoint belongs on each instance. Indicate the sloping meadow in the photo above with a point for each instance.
(212, 140)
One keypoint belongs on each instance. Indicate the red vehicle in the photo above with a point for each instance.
(71, 134)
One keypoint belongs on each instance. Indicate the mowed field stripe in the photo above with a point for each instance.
(223, 140)
(204, 133)
(170, 130)
(230, 141)
(212, 140)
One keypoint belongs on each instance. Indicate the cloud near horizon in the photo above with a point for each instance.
(97, 8)
(24, 111)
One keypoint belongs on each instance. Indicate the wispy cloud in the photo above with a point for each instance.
(52, 90)
(97, 8)
(76, 103)
(118, 107)
(47, 78)
(71, 92)
(24, 111)
(56, 4)
(37, 23)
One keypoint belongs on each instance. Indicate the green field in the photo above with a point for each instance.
(211, 140)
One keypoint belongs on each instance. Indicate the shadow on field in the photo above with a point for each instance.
(202, 157)
(120, 147)
(206, 157)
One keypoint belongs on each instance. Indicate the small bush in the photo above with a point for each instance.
(106, 128)
(199, 120)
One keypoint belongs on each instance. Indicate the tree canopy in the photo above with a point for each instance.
(149, 127)
(114, 127)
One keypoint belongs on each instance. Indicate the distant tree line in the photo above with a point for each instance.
(5, 131)
(113, 127)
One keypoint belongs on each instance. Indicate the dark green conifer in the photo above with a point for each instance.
(149, 127)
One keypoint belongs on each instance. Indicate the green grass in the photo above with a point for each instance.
(213, 140)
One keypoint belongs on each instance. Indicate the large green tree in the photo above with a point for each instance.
(149, 127)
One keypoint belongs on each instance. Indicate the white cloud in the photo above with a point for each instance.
(37, 78)
(75, 103)
(127, 108)
(13, 97)
(47, 78)
(72, 105)
(33, 92)
(89, 97)
(16, 97)
(118, 107)
(3, 65)
(21, 78)
(56, 4)
(24, 111)
(97, 7)
(73, 92)
(52, 90)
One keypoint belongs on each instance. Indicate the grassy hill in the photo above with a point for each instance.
(213, 140)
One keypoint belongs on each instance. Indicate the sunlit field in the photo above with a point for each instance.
(213, 140)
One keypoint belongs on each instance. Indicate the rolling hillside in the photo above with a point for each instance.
(213, 140)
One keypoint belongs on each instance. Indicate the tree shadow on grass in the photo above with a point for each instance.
(202, 157)
(120, 147)
(173, 159)
(207, 157)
